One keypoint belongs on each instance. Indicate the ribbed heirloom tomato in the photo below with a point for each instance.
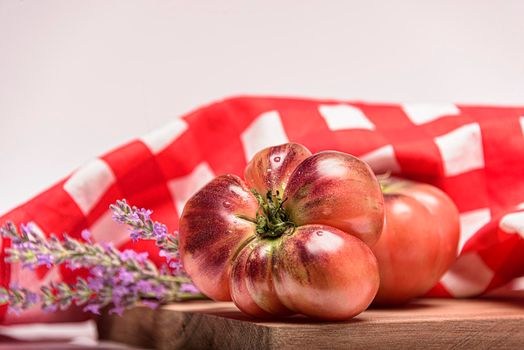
(419, 241)
(285, 240)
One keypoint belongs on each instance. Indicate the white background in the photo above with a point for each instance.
(80, 77)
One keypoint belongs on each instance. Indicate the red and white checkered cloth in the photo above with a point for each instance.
(475, 154)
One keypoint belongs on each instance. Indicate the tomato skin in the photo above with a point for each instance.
(239, 290)
(274, 253)
(443, 208)
(318, 271)
(253, 270)
(324, 273)
(212, 230)
(270, 169)
(338, 190)
(419, 241)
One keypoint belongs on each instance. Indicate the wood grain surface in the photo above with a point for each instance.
(423, 324)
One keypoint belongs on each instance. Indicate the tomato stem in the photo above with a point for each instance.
(390, 184)
(272, 220)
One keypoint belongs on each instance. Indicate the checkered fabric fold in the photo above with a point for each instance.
(475, 154)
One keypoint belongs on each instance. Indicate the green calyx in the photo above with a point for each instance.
(272, 220)
(384, 181)
(389, 184)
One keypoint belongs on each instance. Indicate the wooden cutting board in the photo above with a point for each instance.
(423, 324)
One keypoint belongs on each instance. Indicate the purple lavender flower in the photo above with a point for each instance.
(141, 257)
(175, 265)
(188, 288)
(118, 217)
(135, 234)
(159, 231)
(86, 235)
(119, 291)
(31, 298)
(4, 297)
(125, 276)
(50, 308)
(29, 265)
(119, 310)
(46, 259)
(150, 304)
(26, 230)
(108, 247)
(93, 308)
(97, 271)
(144, 214)
(95, 284)
(129, 254)
(144, 287)
(159, 291)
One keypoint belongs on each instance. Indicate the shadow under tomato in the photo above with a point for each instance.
(294, 319)
(416, 304)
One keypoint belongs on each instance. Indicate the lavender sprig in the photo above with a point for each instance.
(122, 279)
(142, 227)
(18, 298)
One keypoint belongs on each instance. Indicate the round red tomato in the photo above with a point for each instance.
(419, 241)
(282, 242)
